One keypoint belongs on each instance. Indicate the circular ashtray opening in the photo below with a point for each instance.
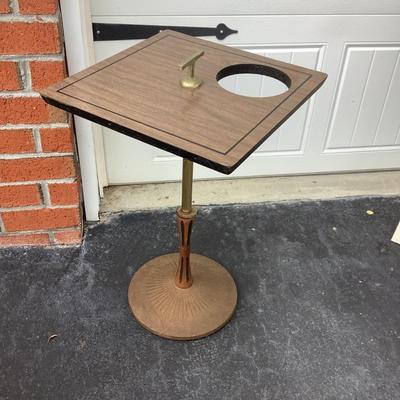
(253, 80)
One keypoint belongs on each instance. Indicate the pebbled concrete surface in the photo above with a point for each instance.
(317, 318)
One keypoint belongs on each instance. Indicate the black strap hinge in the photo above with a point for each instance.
(131, 32)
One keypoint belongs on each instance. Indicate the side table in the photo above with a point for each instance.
(165, 92)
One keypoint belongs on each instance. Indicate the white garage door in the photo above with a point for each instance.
(352, 123)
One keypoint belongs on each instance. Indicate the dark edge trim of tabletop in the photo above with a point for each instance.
(137, 135)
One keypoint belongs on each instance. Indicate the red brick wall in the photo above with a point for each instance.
(39, 187)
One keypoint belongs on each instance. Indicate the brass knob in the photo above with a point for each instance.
(191, 81)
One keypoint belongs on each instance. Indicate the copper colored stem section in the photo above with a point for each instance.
(183, 278)
(185, 217)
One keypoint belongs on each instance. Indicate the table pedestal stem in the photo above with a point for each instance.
(183, 296)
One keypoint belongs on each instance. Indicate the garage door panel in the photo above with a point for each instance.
(388, 130)
(365, 99)
(375, 93)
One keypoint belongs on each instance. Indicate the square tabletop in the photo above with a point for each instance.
(137, 92)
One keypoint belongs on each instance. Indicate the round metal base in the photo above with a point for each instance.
(182, 314)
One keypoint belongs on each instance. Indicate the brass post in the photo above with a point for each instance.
(184, 218)
(190, 81)
(187, 181)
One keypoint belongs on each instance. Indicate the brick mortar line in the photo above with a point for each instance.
(49, 181)
(33, 126)
(52, 238)
(37, 140)
(28, 76)
(37, 208)
(14, 5)
(70, 228)
(45, 193)
(32, 57)
(30, 19)
(22, 77)
(2, 227)
(39, 231)
(20, 73)
(19, 94)
(23, 156)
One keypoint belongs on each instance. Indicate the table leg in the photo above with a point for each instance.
(183, 296)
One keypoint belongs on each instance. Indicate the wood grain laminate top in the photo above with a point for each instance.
(137, 92)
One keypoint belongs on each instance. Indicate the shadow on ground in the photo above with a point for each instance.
(317, 317)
